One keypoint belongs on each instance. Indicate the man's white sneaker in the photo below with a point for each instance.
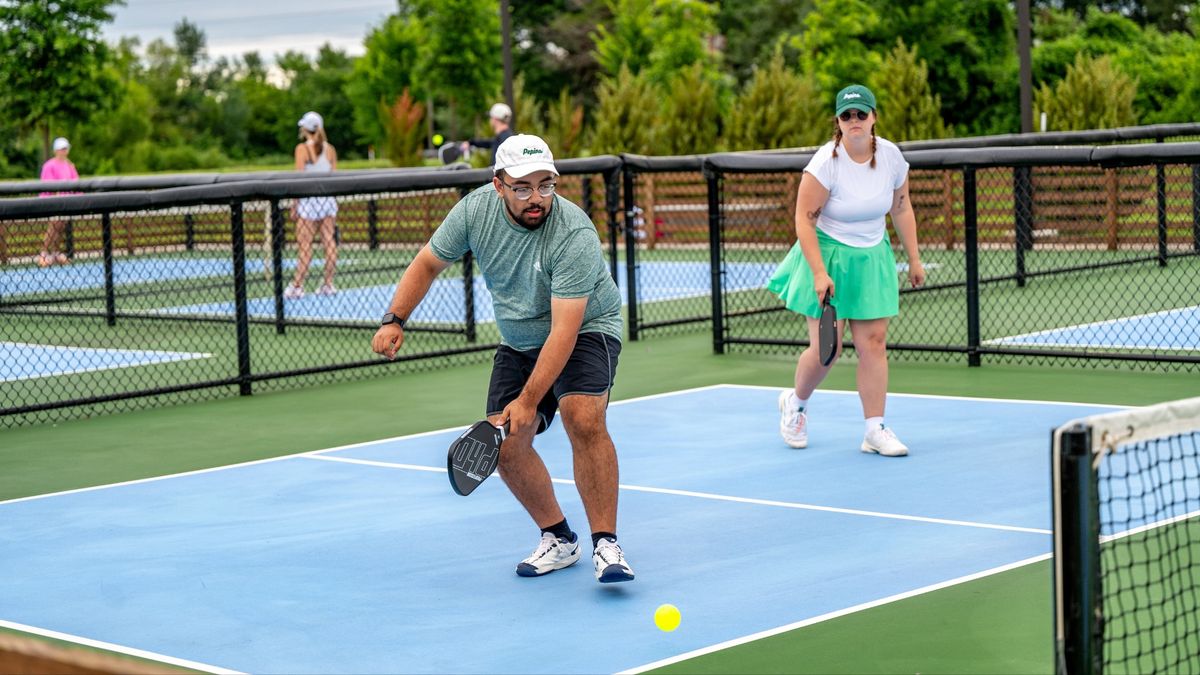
(610, 563)
(793, 424)
(552, 553)
(293, 292)
(884, 442)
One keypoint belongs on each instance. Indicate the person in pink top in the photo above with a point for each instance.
(57, 167)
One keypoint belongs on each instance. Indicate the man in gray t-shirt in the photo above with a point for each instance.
(559, 315)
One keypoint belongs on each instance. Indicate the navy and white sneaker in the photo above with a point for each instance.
(610, 562)
(552, 553)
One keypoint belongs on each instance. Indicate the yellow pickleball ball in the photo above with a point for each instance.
(438, 139)
(666, 617)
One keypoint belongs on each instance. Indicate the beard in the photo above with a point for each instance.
(530, 216)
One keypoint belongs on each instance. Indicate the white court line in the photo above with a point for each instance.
(120, 649)
(1107, 322)
(306, 453)
(943, 397)
(833, 615)
(722, 498)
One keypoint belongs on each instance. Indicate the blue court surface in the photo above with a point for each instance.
(84, 275)
(445, 302)
(21, 361)
(1171, 329)
(361, 560)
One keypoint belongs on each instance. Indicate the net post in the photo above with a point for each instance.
(242, 311)
(630, 253)
(110, 291)
(1077, 616)
(712, 177)
(971, 242)
(277, 266)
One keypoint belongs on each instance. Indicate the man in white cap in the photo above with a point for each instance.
(559, 316)
(57, 168)
(500, 117)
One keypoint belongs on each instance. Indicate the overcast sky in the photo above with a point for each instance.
(270, 27)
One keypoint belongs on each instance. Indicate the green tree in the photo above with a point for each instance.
(839, 41)
(564, 125)
(318, 84)
(460, 57)
(753, 29)
(627, 40)
(387, 68)
(52, 62)
(402, 120)
(625, 115)
(660, 36)
(689, 117)
(778, 109)
(1093, 95)
(554, 47)
(908, 109)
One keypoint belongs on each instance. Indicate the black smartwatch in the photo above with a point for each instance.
(392, 318)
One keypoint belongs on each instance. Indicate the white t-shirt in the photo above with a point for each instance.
(859, 196)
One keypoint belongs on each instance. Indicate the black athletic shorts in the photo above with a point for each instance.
(591, 370)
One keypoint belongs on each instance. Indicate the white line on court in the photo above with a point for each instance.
(722, 498)
(833, 615)
(942, 397)
(307, 453)
(120, 649)
(1107, 322)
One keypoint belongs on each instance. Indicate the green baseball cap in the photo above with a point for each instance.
(854, 97)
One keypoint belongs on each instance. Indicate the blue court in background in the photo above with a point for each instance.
(22, 361)
(445, 302)
(84, 275)
(1171, 329)
(362, 560)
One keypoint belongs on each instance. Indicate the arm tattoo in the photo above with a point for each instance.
(813, 215)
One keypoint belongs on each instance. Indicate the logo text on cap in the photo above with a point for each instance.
(531, 151)
(853, 94)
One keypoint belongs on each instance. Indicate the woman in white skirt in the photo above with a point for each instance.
(314, 215)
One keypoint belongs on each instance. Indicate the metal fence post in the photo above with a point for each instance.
(241, 309)
(468, 265)
(971, 224)
(372, 225)
(110, 292)
(69, 239)
(1196, 207)
(277, 242)
(715, 238)
(1161, 190)
(189, 232)
(612, 204)
(1023, 216)
(630, 254)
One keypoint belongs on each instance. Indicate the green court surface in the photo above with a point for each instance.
(999, 623)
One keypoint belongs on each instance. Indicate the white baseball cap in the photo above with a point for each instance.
(523, 154)
(311, 121)
(500, 112)
(61, 143)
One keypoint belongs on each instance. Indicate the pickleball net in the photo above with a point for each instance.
(1126, 488)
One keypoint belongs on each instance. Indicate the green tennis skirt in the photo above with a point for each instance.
(865, 282)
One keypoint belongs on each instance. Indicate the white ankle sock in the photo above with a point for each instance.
(874, 423)
(796, 402)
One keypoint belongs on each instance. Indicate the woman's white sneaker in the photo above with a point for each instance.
(552, 553)
(793, 424)
(883, 441)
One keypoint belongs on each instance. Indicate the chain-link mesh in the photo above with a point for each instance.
(1087, 264)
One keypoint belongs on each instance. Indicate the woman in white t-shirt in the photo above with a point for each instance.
(314, 215)
(842, 250)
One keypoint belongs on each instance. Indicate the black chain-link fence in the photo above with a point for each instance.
(183, 294)
(1039, 254)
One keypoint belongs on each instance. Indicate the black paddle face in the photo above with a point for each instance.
(473, 457)
(449, 153)
(827, 335)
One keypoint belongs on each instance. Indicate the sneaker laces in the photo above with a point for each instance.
(547, 543)
(607, 549)
(795, 419)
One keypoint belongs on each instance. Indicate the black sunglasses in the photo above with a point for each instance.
(847, 114)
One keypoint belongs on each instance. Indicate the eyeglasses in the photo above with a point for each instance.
(523, 193)
(847, 114)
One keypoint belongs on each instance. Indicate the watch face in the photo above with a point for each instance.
(388, 318)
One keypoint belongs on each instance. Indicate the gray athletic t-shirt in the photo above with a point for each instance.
(523, 269)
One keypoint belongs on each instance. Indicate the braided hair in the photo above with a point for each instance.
(837, 139)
